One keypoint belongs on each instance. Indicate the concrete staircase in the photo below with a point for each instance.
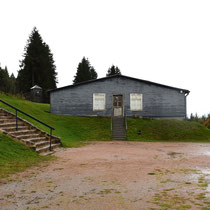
(27, 133)
(118, 128)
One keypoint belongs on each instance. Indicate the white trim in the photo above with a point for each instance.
(136, 102)
(98, 106)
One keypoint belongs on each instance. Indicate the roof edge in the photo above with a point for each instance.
(123, 76)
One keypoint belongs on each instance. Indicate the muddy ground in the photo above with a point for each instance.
(115, 175)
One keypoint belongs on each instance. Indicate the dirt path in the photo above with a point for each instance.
(115, 175)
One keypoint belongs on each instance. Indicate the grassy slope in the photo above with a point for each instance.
(15, 156)
(76, 130)
(72, 130)
(163, 130)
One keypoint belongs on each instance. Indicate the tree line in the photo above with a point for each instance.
(204, 119)
(87, 72)
(38, 68)
(7, 82)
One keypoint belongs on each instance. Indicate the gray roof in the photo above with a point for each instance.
(120, 76)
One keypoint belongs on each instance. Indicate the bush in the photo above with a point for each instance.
(207, 123)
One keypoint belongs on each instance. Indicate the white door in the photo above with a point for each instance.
(118, 105)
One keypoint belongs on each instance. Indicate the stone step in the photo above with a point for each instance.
(6, 117)
(3, 114)
(47, 148)
(119, 137)
(118, 128)
(26, 133)
(36, 139)
(49, 152)
(118, 131)
(118, 122)
(42, 144)
(10, 129)
(6, 120)
(41, 139)
(22, 132)
(118, 134)
(28, 136)
(12, 124)
(118, 118)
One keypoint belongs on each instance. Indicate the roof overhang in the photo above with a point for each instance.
(120, 76)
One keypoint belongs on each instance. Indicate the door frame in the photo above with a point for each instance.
(118, 94)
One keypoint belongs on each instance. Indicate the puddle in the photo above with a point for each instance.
(208, 189)
(206, 153)
(194, 177)
(205, 171)
(200, 171)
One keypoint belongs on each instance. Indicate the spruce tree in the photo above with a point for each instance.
(37, 66)
(85, 72)
(93, 73)
(113, 71)
(12, 83)
(4, 80)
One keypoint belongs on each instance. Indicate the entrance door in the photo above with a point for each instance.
(118, 105)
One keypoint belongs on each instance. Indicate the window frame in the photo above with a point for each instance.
(141, 104)
(94, 96)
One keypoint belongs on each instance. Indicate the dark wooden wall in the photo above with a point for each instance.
(158, 101)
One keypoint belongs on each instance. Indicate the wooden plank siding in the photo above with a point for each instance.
(158, 101)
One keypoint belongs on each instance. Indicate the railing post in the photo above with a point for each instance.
(111, 122)
(50, 139)
(111, 126)
(16, 120)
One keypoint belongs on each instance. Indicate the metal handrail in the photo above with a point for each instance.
(28, 115)
(126, 127)
(111, 122)
(111, 128)
(125, 118)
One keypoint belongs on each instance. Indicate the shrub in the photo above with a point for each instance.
(207, 123)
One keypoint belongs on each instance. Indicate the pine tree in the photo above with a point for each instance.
(12, 83)
(192, 117)
(4, 80)
(93, 73)
(37, 66)
(113, 71)
(85, 72)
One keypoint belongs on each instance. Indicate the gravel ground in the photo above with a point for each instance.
(115, 175)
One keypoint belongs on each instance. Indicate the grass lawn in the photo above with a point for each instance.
(167, 130)
(15, 156)
(75, 131)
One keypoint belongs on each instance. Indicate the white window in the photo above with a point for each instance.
(99, 101)
(136, 102)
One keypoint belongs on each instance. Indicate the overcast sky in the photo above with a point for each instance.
(162, 41)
